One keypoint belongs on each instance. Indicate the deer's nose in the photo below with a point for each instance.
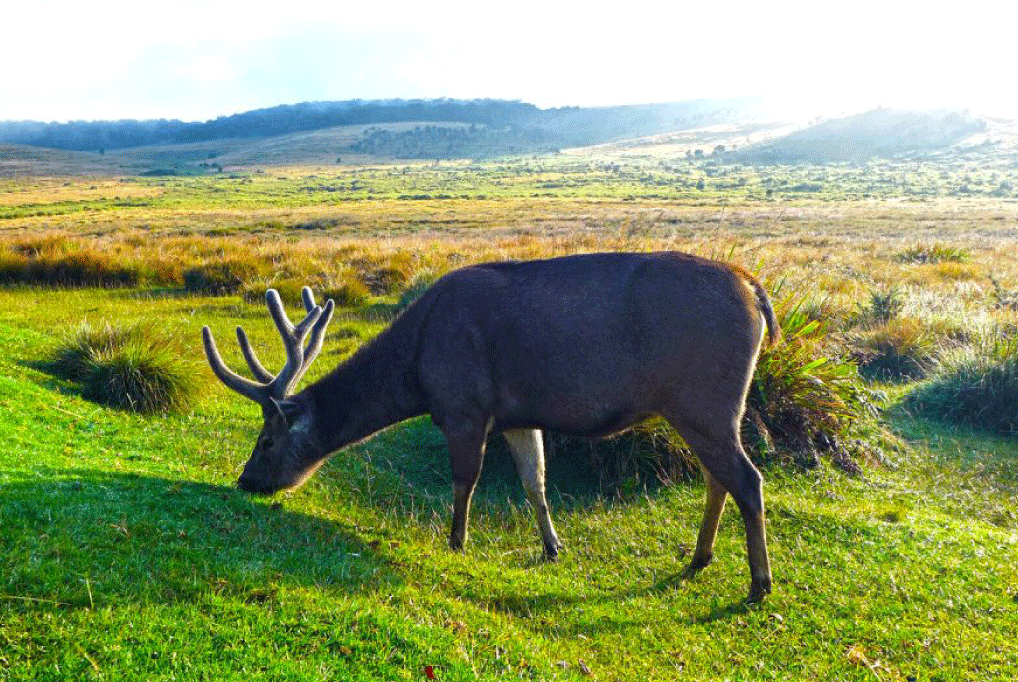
(250, 485)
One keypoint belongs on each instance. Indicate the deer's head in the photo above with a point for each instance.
(287, 450)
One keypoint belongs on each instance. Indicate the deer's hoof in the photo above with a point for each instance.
(758, 589)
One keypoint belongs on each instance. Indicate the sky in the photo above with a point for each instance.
(196, 60)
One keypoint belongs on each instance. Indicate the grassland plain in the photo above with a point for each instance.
(125, 552)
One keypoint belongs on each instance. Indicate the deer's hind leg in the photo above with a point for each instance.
(719, 449)
(527, 449)
(714, 508)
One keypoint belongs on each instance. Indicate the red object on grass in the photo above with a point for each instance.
(429, 672)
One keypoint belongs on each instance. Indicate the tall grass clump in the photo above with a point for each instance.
(137, 368)
(347, 290)
(417, 285)
(884, 305)
(899, 350)
(79, 268)
(221, 278)
(978, 389)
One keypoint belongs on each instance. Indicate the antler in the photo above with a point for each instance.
(298, 360)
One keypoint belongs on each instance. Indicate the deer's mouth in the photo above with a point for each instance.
(250, 485)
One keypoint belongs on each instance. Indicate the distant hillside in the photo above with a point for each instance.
(884, 133)
(458, 128)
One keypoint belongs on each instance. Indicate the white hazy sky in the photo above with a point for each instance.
(195, 60)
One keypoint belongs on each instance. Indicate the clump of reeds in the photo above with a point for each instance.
(220, 278)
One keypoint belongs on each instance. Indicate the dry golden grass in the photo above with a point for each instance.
(837, 252)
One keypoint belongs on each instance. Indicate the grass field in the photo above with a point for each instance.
(126, 552)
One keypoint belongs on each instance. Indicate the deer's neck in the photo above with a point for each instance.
(375, 388)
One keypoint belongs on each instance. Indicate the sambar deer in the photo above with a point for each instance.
(583, 345)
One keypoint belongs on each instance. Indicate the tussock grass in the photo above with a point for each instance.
(901, 349)
(420, 283)
(79, 268)
(884, 304)
(978, 388)
(220, 278)
(136, 368)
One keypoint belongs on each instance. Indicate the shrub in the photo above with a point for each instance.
(133, 368)
(898, 350)
(978, 389)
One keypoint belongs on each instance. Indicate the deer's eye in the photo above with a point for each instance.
(267, 442)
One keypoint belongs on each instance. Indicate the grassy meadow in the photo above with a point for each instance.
(126, 552)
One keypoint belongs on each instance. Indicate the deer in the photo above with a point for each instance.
(582, 345)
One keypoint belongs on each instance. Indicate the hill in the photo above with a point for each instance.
(479, 127)
(882, 133)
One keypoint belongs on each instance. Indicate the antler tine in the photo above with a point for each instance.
(292, 338)
(308, 298)
(261, 374)
(247, 388)
(316, 338)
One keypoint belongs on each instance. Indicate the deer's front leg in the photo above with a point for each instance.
(466, 456)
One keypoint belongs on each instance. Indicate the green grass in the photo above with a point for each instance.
(126, 553)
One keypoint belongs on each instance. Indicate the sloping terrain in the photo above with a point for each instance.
(881, 133)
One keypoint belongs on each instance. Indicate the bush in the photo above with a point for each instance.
(979, 389)
(351, 293)
(418, 284)
(133, 368)
(73, 359)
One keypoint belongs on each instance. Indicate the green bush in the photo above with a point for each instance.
(352, 293)
(418, 284)
(131, 368)
(978, 388)
(74, 358)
